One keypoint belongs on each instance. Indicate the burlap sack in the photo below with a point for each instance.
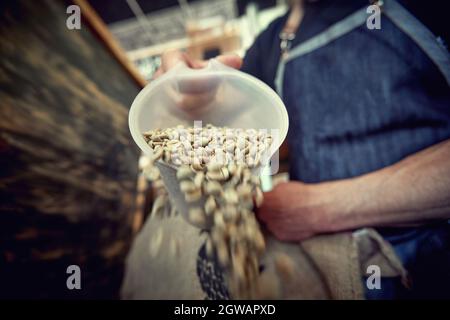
(333, 266)
(326, 266)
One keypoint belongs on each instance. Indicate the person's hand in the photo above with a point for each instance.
(294, 211)
(194, 95)
(171, 58)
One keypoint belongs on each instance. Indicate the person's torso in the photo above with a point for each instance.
(362, 101)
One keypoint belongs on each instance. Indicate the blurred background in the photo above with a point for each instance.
(204, 29)
(71, 192)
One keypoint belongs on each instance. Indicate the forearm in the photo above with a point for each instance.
(414, 190)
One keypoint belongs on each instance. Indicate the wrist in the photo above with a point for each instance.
(340, 200)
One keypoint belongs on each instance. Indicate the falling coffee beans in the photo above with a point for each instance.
(216, 164)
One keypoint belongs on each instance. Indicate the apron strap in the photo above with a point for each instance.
(397, 14)
(335, 31)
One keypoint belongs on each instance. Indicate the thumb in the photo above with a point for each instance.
(171, 58)
(232, 60)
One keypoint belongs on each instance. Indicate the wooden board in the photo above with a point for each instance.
(68, 165)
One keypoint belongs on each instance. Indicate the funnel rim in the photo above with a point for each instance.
(137, 104)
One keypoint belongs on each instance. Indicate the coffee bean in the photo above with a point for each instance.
(196, 216)
(184, 172)
(187, 186)
(193, 196)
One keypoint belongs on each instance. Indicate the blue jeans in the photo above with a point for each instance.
(425, 253)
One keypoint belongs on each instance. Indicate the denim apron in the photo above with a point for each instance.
(360, 100)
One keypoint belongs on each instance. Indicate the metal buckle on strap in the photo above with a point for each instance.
(378, 3)
(286, 42)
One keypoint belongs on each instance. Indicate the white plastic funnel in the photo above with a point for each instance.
(227, 97)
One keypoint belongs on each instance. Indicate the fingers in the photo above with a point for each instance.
(157, 73)
(191, 102)
(231, 60)
(171, 58)
(196, 93)
(270, 205)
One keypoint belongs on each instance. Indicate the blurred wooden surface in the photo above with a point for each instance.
(68, 165)
(101, 30)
